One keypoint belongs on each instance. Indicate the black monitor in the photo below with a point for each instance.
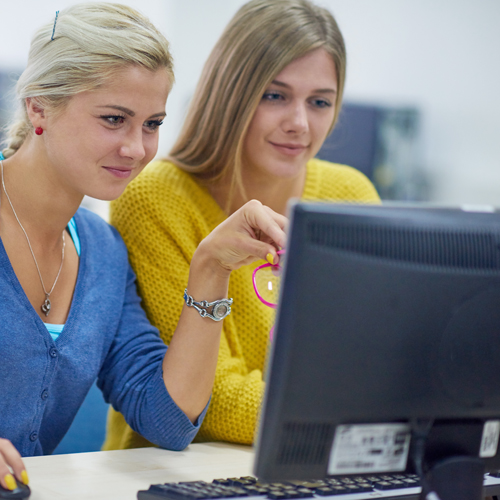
(386, 350)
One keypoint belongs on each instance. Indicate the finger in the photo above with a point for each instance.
(280, 219)
(10, 458)
(267, 221)
(254, 250)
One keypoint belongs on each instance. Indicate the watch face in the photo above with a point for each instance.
(221, 310)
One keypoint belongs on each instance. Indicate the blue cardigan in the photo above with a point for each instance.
(107, 335)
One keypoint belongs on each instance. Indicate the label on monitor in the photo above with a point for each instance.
(489, 440)
(369, 448)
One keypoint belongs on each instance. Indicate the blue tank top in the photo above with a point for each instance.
(55, 330)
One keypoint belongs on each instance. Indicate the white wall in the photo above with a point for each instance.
(442, 55)
(194, 27)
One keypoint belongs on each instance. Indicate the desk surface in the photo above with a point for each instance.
(110, 475)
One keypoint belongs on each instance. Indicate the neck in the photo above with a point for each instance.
(42, 204)
(274, 192)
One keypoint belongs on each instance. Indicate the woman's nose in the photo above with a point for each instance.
(133, 145)
(296, 119)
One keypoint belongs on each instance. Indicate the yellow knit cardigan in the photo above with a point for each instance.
(163, 215)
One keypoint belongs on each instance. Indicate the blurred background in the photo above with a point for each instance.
(422, 101)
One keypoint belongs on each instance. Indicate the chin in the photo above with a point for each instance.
(287, 171)
(109, 194)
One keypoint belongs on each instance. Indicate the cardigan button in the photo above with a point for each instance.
(45, 394)
(53, 352)
(34, 436)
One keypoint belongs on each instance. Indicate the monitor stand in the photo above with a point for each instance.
(454, 478)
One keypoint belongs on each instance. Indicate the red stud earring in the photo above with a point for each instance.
(39, 131)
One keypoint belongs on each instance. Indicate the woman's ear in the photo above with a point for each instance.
(36, 112)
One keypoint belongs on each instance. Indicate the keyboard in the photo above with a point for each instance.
(380, 486)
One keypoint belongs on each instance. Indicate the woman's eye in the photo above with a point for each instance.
(272, 96)
(321, 103)
(113, 120)
(153, 125)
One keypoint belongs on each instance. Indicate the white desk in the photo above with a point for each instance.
(119, 475)
(110, 475)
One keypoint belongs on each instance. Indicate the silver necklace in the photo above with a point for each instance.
(45, 307)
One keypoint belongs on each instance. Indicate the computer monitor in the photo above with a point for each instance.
(387, 342)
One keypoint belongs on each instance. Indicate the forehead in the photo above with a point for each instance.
(317, 68)
(134, 87)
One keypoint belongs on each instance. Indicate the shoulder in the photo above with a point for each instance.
(335, 171)
(161, 184)
(332, 181)
(88, 221)
(163, 195)
(161, 178)
(94, 231)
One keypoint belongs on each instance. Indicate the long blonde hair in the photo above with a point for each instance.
(260, 41)
(86, 45)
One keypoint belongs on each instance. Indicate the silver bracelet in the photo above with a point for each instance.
(220, 308)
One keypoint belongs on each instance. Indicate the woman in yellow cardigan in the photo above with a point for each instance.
(269, 95)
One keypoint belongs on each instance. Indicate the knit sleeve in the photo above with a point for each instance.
(338, 183)
(236, 399)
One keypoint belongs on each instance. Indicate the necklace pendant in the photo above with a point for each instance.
(46, 306)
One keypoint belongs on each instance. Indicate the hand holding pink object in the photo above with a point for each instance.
(266, 279)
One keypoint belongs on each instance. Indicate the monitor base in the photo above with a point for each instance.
(455, 478)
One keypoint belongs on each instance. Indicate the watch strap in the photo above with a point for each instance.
(216, 310)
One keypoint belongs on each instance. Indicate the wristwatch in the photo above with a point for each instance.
(220, 308)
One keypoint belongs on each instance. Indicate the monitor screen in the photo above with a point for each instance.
(386, 344)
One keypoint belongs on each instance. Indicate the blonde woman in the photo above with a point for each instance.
(268, 96)
(92, 99)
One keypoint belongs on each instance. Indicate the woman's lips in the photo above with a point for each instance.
(289, 149)
(120, 172)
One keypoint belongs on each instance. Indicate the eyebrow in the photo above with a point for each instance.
(129, 111)
(319, 91)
